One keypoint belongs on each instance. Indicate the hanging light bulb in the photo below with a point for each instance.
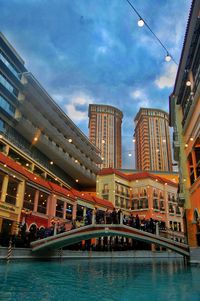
(140, 22)
(168, 57)
(188, 83)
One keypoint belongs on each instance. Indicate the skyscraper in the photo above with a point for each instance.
(105, 132)
(152, 140)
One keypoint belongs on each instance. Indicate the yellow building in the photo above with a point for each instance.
(145, 194)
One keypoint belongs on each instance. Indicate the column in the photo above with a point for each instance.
(20, 194)
(36, 197)
(64, 210)
(4, 188)
(74, 211)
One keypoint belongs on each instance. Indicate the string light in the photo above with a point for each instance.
(188, 83)
(141, 23)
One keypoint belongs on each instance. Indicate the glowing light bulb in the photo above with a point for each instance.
(168, 58)
(140, 22)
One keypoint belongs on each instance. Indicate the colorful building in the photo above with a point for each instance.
(43, 155)
(152, 140)
(145, 194)
(185, 119)
(105, 132)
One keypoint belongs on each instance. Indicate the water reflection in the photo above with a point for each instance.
(102, 279)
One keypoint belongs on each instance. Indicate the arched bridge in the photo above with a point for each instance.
(96, 231)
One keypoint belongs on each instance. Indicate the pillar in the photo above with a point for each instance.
(36, 197)
(4, 188)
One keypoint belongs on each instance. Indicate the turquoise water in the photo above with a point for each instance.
(99, 280)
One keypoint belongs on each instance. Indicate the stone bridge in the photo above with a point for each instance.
(103, 230)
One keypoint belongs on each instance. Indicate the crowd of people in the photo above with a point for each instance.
(24, 237)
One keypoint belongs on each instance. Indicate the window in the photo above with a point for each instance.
(4, 59)
(29, 197)
(11, 194)
(42, 202)
(59, 208)
(69, 210)
(2, 125)
(7, 85)
(79, 213)
(194, 162)
(4, 104)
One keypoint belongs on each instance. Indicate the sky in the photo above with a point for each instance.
(92, 51)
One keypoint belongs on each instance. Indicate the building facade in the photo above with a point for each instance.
(43, 155)
(143, 194)
(152, 140)
(185, 120)
(105, 132)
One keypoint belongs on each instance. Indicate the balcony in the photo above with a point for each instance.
(181, 199)
(176, 145)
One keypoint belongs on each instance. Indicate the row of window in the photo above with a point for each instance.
(8, 85)
(194, 162)
(9, 108)
(10, 66)
(32, 196)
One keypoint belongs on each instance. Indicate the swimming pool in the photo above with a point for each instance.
(99, 280)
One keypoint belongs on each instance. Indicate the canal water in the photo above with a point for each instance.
(99, 280)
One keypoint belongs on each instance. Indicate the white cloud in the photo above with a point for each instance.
(141, 98)
(166, 80)
(102, 49)
(72, 108)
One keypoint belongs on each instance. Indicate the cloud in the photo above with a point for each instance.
(166, 80)
(77, 109)
(141, 98)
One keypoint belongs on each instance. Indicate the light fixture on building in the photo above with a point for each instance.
(70, 140)
(51, 162)
(164, 141)
(5, 165)
(76, 161)
(191, 139)
(184, 180)
(27, 164)
(35, 178)
(133, 140)
(165, 183)
(130, 155)
(168, 57)
(76, 180)
(140, 22)
(35, 139)
(186, 145)
(103, 141)
(156, 180)
(188, 83)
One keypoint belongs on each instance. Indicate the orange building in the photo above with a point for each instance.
(145, 194)
(152, 140)
(185, 119)
(105, 133)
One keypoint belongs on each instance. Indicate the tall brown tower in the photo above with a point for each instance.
(105, 132)
(152, 140)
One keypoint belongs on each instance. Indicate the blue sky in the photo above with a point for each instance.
(92, 51)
